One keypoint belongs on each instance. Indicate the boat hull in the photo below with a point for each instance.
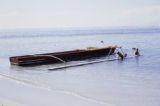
(58, 57)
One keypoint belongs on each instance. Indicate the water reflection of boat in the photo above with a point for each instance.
(65, 56)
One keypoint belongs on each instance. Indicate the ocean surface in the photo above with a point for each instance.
(132, 82)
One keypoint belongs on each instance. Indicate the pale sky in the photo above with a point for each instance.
(78, 13)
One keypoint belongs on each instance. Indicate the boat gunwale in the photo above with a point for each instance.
(65, 52)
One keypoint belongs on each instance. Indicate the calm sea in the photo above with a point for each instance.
(132, 82)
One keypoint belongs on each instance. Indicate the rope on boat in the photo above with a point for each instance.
(55, 57)
(109, 52)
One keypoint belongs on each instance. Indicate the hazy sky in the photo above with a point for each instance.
(78, 13)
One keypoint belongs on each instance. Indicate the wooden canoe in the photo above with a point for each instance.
(65, 56)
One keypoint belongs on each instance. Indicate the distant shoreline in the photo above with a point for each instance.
(72, 32)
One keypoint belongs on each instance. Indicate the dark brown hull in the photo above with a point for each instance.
(60, 56)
